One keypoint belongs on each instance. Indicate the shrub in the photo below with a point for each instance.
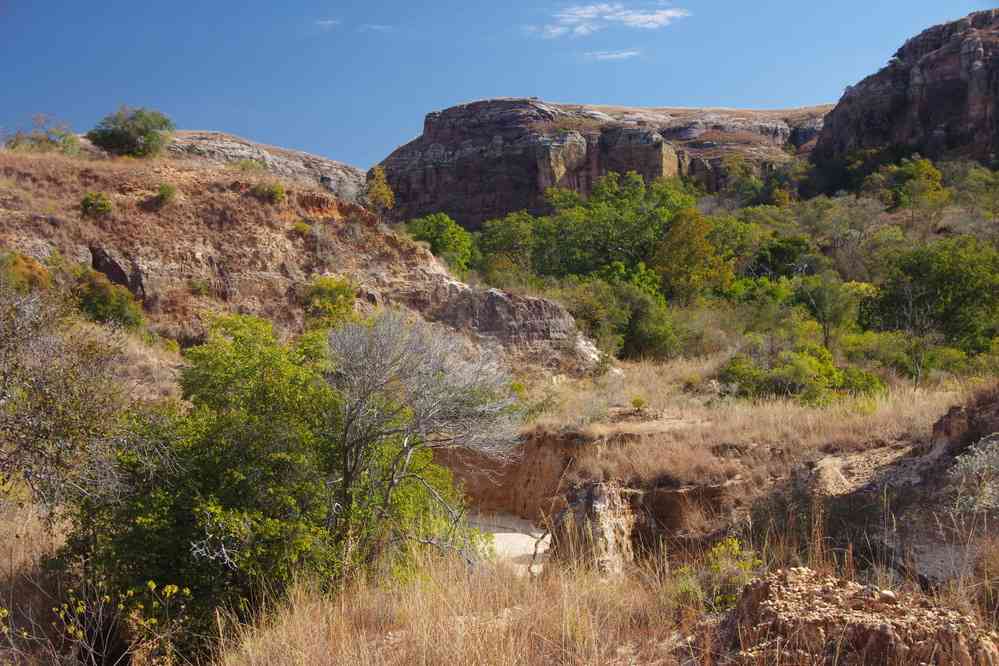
(377, 192)
(329, 301)
(597, 311)
(975, 476)
(860, 382)
(135, 132)
(743, 376)
(283, 466)
(806, 373)
(621, 317)
(95, 204)
(273, 193)
(165, 194)
(650, 332)
(199, 287)
(60, 395)
(24, 273)
(302, 229)
(727, 568)
(103, 301)
(249, 166)
(447, 240)
(44, 138)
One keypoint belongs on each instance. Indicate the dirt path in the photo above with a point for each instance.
(514, 539)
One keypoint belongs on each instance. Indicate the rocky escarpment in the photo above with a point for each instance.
(218, 247)
(482, 160)
(937, 96)
(343, 180)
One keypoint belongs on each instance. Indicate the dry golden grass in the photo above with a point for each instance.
(453, 615)
(703, 437)
(149, 371)
(26, 588)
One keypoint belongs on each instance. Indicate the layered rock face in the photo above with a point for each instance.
(937, 95)
(482, 160)
(343, 180)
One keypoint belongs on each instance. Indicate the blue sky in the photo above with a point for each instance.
(352, 81)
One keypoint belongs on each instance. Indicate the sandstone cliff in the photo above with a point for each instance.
(217, 247)
(482, 160)
(937, 95)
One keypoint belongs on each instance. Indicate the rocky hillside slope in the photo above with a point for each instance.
(482, 160)
(220, 246)
(937, 95)
(343, 180)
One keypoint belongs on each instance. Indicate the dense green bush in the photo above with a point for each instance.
(310, 457)
(135, 132)
(302, 229)
(95, 204)
(806, 373)
(446, 239)
(235, 495)
(272, 193)
(103, 301)
(329, 301)
(24, 273)
(621, 317)
(165, 195)
(949, 288)
(199, 287)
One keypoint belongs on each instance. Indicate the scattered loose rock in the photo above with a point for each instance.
(798, 615)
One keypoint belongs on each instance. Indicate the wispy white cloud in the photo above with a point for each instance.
(603, 56)
(376, 27)
(326, 24)
(583, 20)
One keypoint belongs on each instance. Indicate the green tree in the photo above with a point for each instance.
(510, 240)
(232, 495)
(687, 261)
(831, 302)
(980, 193)
(742, 186)
(377, 192)
(915, 185)
(949, 287)
(622, 220)
(447, 240)
(784, 256)
(314, 456)
(136, 132)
